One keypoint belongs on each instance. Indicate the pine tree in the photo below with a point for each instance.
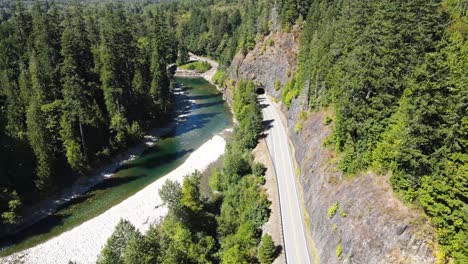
(137, 250)
(114, 250)
(38, 135)
(190, 193)
(160, 89)
(117, 70)
(267, 250)
(80, 108)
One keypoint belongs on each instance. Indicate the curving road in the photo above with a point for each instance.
(294, 234)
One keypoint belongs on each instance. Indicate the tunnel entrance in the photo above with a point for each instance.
(260, 90)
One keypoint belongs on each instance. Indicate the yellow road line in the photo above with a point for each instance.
(290, 200)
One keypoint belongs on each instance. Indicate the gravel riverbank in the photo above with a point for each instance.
(83, 243)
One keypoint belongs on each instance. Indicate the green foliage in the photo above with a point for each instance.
(289, 13)
(243, 202)
(198, 66)
(298, 126)
(170, 194)
(339, 251)
(113, 251)
(262, 50)
(75, 88)
(244, 242)
(247, 111)
(334, 228)
(290, 91)
(178, 244)
(400, 101)
(137, 250)
(215, 180)
(78, 83)
(332, 210)
(267, 250)
(182, 56)
(183, 240)
(190, 193)
(11, 204)
(220, 77)
(343, 213)
(277, 85)
(270, 42)
(258, 169)
(327, 120)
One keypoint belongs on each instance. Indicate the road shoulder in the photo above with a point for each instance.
(273, 226)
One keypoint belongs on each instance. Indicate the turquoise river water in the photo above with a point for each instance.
(208, 115)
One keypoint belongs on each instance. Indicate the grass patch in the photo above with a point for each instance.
(262, 50)
(298, 127)
(198, 66)
(332, 210)
(270, 42)
(339, 250)
(327, 121)
(334, 228)
(277, 85)
(343, 213)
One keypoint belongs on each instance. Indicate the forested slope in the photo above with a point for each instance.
(396, 74)
(76, 86)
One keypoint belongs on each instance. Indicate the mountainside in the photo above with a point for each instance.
(358, 218)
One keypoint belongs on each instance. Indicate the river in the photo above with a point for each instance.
(207, 116)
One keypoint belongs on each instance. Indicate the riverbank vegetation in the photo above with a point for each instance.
(222, 229)
(76, 86)
(198, 66)
(80, 83)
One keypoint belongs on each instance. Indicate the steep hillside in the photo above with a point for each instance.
(355, 219)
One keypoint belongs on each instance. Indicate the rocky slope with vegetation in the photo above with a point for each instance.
(355, 218)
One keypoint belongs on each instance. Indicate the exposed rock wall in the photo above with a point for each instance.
(370, 224)
(275, 58)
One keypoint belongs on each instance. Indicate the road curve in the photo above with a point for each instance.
(294, 234)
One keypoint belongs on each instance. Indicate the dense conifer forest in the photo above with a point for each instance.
(395, 74)
(77, 85)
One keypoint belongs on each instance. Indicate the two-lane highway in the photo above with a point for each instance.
(295, 241)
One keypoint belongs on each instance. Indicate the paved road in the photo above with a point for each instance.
(295, 241)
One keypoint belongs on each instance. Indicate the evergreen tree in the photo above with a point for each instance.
(137, 250)
(117, 69)
(160, 89)
(190, 193)
(267, 250)
(38, 135)
(80, 108)
(115, 248)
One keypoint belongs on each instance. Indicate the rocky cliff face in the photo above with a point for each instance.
(352, 219)
(274, 59)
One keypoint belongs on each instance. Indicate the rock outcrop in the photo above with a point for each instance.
(352, 219)
(274, 59)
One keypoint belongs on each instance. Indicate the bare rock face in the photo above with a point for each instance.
(273, 59)
(359, 214)
(352, 219)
